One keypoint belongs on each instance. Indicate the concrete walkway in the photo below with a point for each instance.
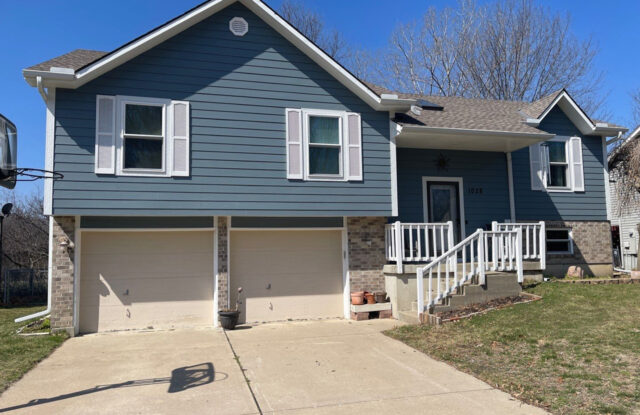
(324, 367)
(341, 367)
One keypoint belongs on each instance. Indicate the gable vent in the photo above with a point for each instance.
(238, 26)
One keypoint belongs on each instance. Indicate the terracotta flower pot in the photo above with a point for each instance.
(381, 296)
(357, 298)
(635, 274)
(370, 298)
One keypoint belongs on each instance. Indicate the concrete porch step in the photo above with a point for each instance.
(498, 285)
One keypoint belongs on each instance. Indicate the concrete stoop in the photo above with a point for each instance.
(498, 285)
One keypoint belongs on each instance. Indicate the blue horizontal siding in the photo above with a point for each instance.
(486, 170)
(238, 88)
(588, 205)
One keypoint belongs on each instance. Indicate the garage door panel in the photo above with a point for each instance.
(147, 243)
(287, 274)
(140, 287)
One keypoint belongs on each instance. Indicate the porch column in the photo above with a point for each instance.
(512, 202)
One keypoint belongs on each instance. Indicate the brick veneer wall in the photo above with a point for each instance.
(366, 253)
(222, 263)
(592, 248)
(62, 274)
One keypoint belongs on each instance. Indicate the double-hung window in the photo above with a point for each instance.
(143, 137)
(138, 136)
(324, 146)
(558, 165)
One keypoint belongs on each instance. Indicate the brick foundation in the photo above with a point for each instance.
(592, 249)
(366, 253)
(223, 274)
(62, 274)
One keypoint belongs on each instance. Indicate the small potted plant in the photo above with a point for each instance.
(229, 317)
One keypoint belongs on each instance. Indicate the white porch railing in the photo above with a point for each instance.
(534, 239)
(417, 242)
(479, 252)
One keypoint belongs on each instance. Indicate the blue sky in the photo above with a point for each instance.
(31, 32)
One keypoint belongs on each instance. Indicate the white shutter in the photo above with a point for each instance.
(577, 173)
(294, 143)
(536, 167)
(354, 146)
(180, 138)
(105, 149)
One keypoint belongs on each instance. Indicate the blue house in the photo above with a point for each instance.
(224, 150)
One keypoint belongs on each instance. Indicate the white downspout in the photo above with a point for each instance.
(49, 279)
(43, 94)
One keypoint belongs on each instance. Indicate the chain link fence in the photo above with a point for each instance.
(23, 286)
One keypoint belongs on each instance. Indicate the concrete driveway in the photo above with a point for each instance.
(324, 367)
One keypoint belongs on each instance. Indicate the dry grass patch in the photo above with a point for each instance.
(577, 351)
(18, 354)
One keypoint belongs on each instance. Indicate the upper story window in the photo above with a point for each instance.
(138, 136)
(143, 137)
(323, 145)
(557, 166)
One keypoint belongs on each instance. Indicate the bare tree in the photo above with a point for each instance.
(625, 165)
(26, 233)
(311, 24)
(511, 49)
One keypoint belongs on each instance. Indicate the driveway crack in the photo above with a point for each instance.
(244, 374)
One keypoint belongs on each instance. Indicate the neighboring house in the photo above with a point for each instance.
(624, 214)
(224, 150)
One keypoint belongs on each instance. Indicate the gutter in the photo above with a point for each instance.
(458, 131)
(49, 279)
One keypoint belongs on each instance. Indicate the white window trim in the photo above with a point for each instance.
(567, 152)
(570, 240)
(342, 115)
(121, 101)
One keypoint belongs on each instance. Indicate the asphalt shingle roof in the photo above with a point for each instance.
(75, 60)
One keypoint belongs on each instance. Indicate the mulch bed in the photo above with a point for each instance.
(474, 309)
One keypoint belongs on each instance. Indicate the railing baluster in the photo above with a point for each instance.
(420, 287)
(442, 251)
(526, 230)
(411, 242)
(447, 263)
(430, 287)
(419, 243)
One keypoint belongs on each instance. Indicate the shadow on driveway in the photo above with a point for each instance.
(181, 379)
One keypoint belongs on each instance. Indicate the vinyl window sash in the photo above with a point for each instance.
(567, 171)
(341, 116)
(122, 103)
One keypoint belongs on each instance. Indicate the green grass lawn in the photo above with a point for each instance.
(577, 351)
(19, 354)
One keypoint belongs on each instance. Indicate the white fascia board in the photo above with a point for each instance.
(206, 10)
(466, 131)
(572, 110)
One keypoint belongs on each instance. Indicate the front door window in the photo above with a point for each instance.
(443, 204)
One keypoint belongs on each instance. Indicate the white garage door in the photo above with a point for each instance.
(133, 280)
(287, 274)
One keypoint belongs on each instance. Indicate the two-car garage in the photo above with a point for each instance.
(165, 278)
